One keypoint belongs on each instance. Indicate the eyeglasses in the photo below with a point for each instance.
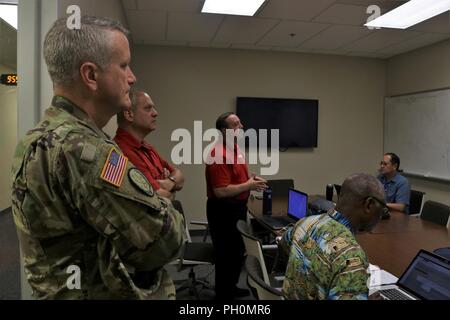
(383, 204)
(384, 163)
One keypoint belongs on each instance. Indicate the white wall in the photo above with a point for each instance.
(35, 88)
(8, 134)
(190, 84)
(423, 69)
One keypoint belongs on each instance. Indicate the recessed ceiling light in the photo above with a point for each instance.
(410, 13)
(233, 7)
(9, 14)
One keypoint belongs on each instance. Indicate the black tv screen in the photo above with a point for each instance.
(297, 119)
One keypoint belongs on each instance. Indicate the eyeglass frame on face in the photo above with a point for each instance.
(384, 163)
(383, 204)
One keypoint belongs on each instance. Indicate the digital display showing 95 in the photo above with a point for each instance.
(9, 79)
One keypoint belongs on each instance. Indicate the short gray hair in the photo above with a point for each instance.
(359, 186)
(133, 98)
(65, 50)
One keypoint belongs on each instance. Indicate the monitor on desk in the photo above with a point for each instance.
(298, 204)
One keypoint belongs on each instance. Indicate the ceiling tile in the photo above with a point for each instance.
(319, 26)
(368, 55)
(147, 25)
(423, 40)
(304, 10)
(385, 5)
(209, 44)
(291, 49)
(440, 24)
(336, 37)
(171, 5)
(291, 33)
(335, 52)
(250, 47)
(243, 30)
(192, 26)
(166, 43)
(344, 14)
(380, 39)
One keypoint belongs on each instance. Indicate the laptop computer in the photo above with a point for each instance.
(297, 209)
(426, 278)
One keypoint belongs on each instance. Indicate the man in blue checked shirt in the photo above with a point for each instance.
(396, 187)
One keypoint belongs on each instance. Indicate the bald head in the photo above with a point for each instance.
(134, 96)
(360, 200)
(140, 119)
(359, 186)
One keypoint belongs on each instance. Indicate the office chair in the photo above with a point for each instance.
(338, 187)
(255, 280)
(436, 212)
(254, 247)
(416, 201)
(193, 254)
(443, 252)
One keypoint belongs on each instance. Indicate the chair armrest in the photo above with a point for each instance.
(279, 278)
(199, 223)
(269, 247)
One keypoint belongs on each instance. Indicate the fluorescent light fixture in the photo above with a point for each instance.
(235, 7)
(410, 13)
(9, 14)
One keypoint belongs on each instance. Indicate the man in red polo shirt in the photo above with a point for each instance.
(134, 125)
(228, 188)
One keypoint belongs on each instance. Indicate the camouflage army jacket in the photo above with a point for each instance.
(325, 261)
(82, 210)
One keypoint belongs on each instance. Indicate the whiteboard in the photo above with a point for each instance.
(417, 129)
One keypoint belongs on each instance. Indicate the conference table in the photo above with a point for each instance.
(391, 245)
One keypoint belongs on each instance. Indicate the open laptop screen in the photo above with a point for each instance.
(298, 204)
(427, 277)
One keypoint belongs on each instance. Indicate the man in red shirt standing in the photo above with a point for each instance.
(134, 125)
(228, 189)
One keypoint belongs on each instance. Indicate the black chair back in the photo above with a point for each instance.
(415, 201)
(435, 212)
(338, 189)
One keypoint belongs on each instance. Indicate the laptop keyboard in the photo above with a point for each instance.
(394, 294)
(277, 221)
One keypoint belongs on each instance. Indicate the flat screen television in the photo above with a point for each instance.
(297, 119)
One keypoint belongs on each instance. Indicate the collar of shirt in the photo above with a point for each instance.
(394, 179)
(71, 108)
(225, 153)
(339, 217)
(236, 152)
(131, 140)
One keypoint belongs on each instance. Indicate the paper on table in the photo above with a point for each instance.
(380, 277)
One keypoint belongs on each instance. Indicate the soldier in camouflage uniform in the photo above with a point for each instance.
(76, 199)
(325, 260)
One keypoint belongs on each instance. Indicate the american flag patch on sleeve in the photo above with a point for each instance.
(114, 168)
